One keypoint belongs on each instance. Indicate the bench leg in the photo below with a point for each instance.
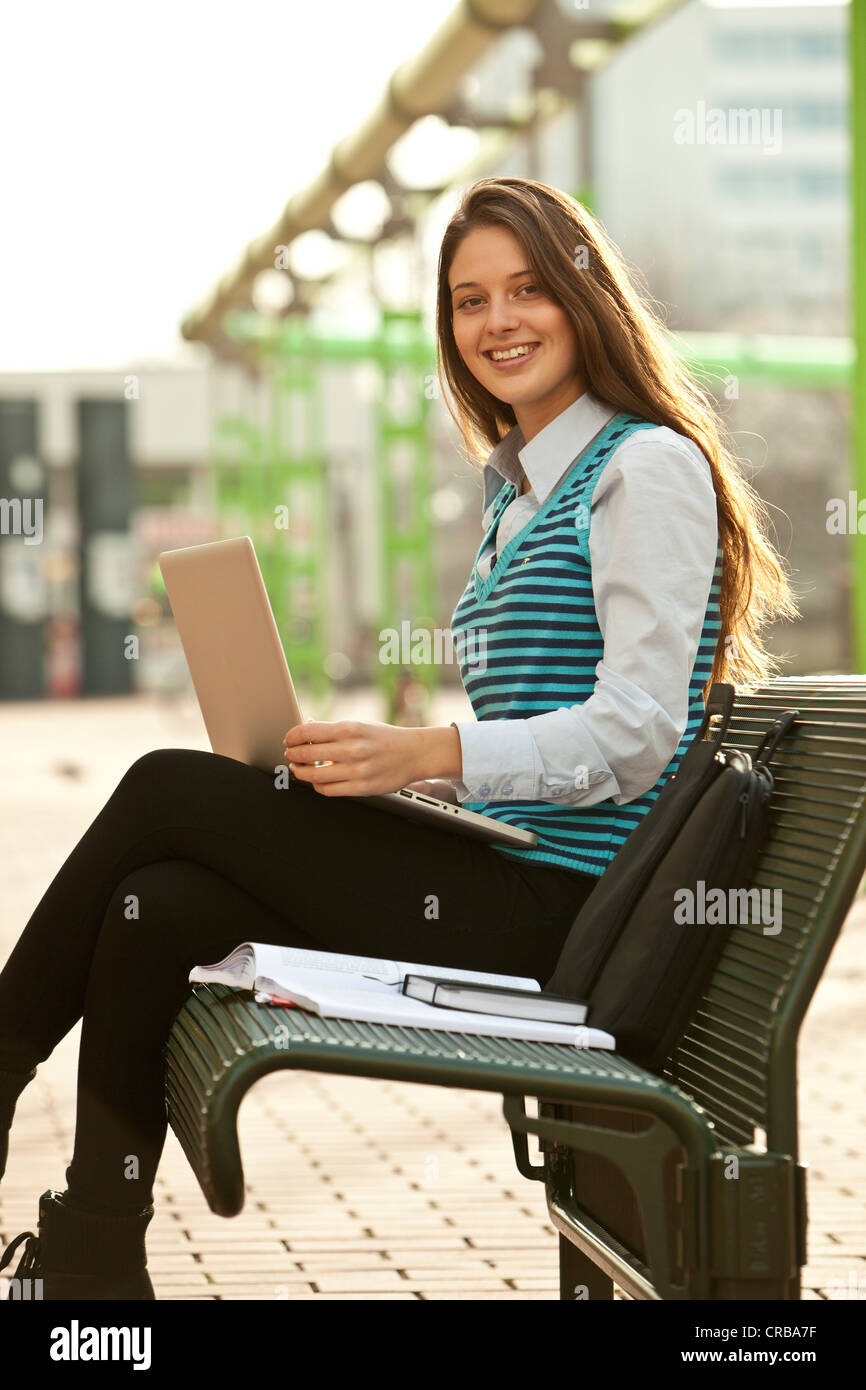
(579, 1278)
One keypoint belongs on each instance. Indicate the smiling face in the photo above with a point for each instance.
(497, 307)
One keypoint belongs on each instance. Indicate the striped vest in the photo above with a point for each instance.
(527, 640)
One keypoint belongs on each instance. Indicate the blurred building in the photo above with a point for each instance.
(732, 232)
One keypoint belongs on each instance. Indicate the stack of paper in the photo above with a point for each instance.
(361, 987)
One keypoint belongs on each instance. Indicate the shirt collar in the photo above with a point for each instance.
(549, 454)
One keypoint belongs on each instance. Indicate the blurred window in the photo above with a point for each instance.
(779, 45)
(762, 184)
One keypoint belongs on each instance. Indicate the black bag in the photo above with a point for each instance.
(639, 969)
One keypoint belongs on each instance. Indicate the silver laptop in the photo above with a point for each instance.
(243, 683)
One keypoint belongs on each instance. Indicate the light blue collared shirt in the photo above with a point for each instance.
(652, 543)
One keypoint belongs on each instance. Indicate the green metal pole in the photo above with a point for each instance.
(404, 474)
(857, 44)
(286, 469)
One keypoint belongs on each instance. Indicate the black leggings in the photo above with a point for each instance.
(194, 853)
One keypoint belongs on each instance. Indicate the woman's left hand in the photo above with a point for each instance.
(359, 759)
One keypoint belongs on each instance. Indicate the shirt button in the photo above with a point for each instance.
(556, 791)
(485, 790)
(508, 790)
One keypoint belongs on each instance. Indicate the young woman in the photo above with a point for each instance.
(623, 567)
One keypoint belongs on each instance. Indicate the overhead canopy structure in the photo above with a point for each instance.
(424, 85)
(419, 87)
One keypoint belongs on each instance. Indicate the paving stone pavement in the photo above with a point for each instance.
(360, 1189)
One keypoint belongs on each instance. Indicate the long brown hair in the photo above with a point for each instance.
(627, 361)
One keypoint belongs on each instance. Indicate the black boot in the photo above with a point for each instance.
(12, 1083)
(81, 1254)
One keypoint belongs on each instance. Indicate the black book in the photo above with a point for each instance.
(495, 999)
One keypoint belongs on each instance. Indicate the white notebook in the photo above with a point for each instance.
(369, 989)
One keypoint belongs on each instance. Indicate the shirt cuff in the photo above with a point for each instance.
(581, 776)
(500, 761)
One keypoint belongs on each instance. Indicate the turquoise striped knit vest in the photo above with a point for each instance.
(539, 645)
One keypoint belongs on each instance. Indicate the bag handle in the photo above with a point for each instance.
(776, 731)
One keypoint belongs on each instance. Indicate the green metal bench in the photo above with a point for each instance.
(685, 1184)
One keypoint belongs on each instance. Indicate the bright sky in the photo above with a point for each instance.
(145, 146)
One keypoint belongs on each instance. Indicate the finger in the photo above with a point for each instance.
(337, 789)
(304, 774)
(297, 734)
(313, 752)
(325, 775)
(314, 730)
(303, 735)
(299, 769)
